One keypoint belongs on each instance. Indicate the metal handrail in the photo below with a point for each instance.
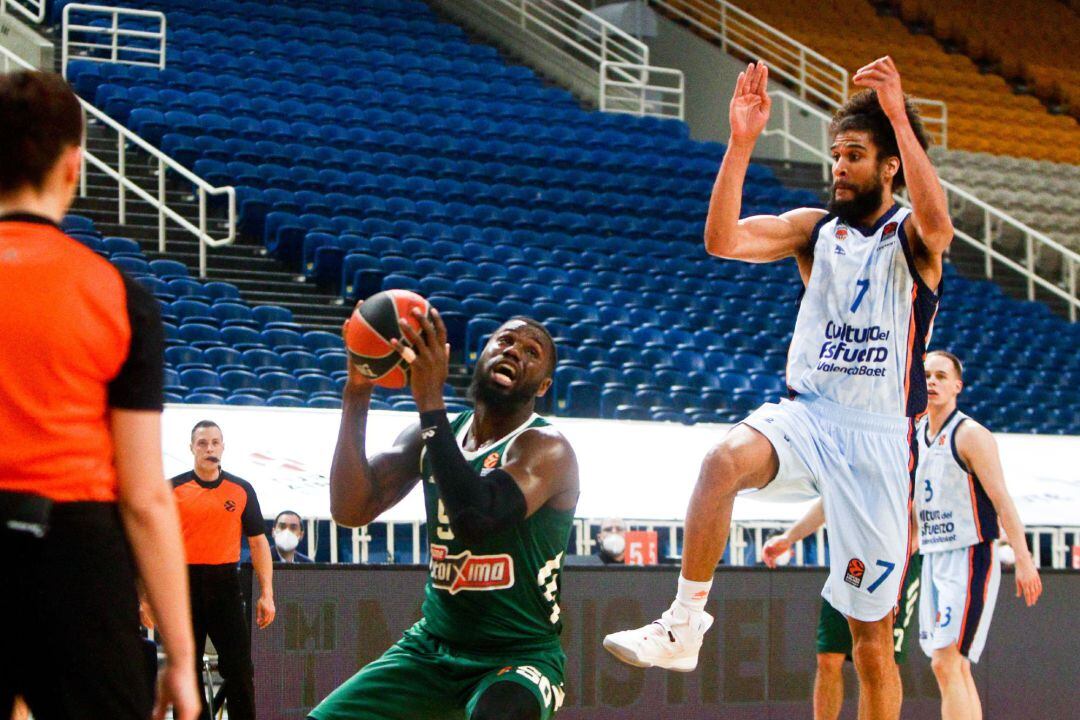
(115, 32)
(815, 75)
(642, 96)
(588, 33)
(935, 118)
(26, 9)
(620, 61)
(164, 163)
(991, 214)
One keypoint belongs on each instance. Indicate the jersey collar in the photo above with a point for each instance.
(463, 434)
(871, 231)
(926, 430)
(26, 217)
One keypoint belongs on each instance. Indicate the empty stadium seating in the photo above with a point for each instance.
(1003, 32)
(1040, 194)
(985, 115)
(374, 147)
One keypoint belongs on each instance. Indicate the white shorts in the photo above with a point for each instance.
(862, 464)
(959, 591)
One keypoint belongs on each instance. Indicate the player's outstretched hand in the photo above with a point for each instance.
(882, 76)
(776, 546)
(1028, 582)
(428, 356)
(749, 109)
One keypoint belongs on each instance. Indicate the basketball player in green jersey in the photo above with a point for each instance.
(500, 488)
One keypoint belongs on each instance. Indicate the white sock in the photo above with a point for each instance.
(693, 595)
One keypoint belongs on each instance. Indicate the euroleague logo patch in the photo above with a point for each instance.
(841, 233)
(889, 231)
(856, 568)
(491, 461)
(230, 505)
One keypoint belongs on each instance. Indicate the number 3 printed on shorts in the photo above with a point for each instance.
(888, 571)
(864, 285)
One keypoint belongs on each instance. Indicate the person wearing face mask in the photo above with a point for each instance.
(288, 532)
(216, 509)
(611, 541)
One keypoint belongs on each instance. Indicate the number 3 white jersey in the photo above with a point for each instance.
(953, 509)
(864, 319)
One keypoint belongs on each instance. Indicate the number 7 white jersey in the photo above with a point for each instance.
(864, 319)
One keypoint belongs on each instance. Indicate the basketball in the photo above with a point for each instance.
(372, 327)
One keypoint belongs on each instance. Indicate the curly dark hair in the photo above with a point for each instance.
(863, 112)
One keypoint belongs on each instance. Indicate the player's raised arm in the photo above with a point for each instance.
(360, 490)
(979, 451)
(762, 238)
(930, 208)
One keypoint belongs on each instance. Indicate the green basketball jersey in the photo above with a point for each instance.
(504, 590)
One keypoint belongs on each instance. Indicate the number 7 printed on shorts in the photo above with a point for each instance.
(889, 567)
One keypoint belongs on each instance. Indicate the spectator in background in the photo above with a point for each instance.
(288, 533)
(216, 508)
(84, 507)
(611, 541)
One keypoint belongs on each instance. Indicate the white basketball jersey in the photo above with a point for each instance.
(864, 319)
(953, 510)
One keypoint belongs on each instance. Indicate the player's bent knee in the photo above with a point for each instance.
(506, 701)
(743, 459)
(947, 663)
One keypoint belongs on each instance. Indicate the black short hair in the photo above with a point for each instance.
(204, 424)
(863, 112)
(40, 117)
(959, 366)
(290, 512)
(552, 350)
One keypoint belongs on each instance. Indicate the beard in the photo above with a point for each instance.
(483, 390)
(865, 202)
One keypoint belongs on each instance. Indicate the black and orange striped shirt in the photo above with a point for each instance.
(213, 516)
(79, 338)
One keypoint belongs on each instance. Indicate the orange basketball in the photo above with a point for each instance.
(374, 323)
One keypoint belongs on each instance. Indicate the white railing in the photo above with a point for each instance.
(618, 61)
(815, 76)
(935, 118)
(787, 110)
(654, 91)
(31, 9)
(572, 28)
(158, 200)
(112, 51)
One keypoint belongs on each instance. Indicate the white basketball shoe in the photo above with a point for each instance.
(672, 642)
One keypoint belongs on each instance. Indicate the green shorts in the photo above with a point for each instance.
(834, 634)
(422, 678)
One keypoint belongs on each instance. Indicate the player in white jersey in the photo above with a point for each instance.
(959, 495)
(871, 272)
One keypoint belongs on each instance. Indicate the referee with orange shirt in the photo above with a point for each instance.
(84, 507)
(216, 509)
